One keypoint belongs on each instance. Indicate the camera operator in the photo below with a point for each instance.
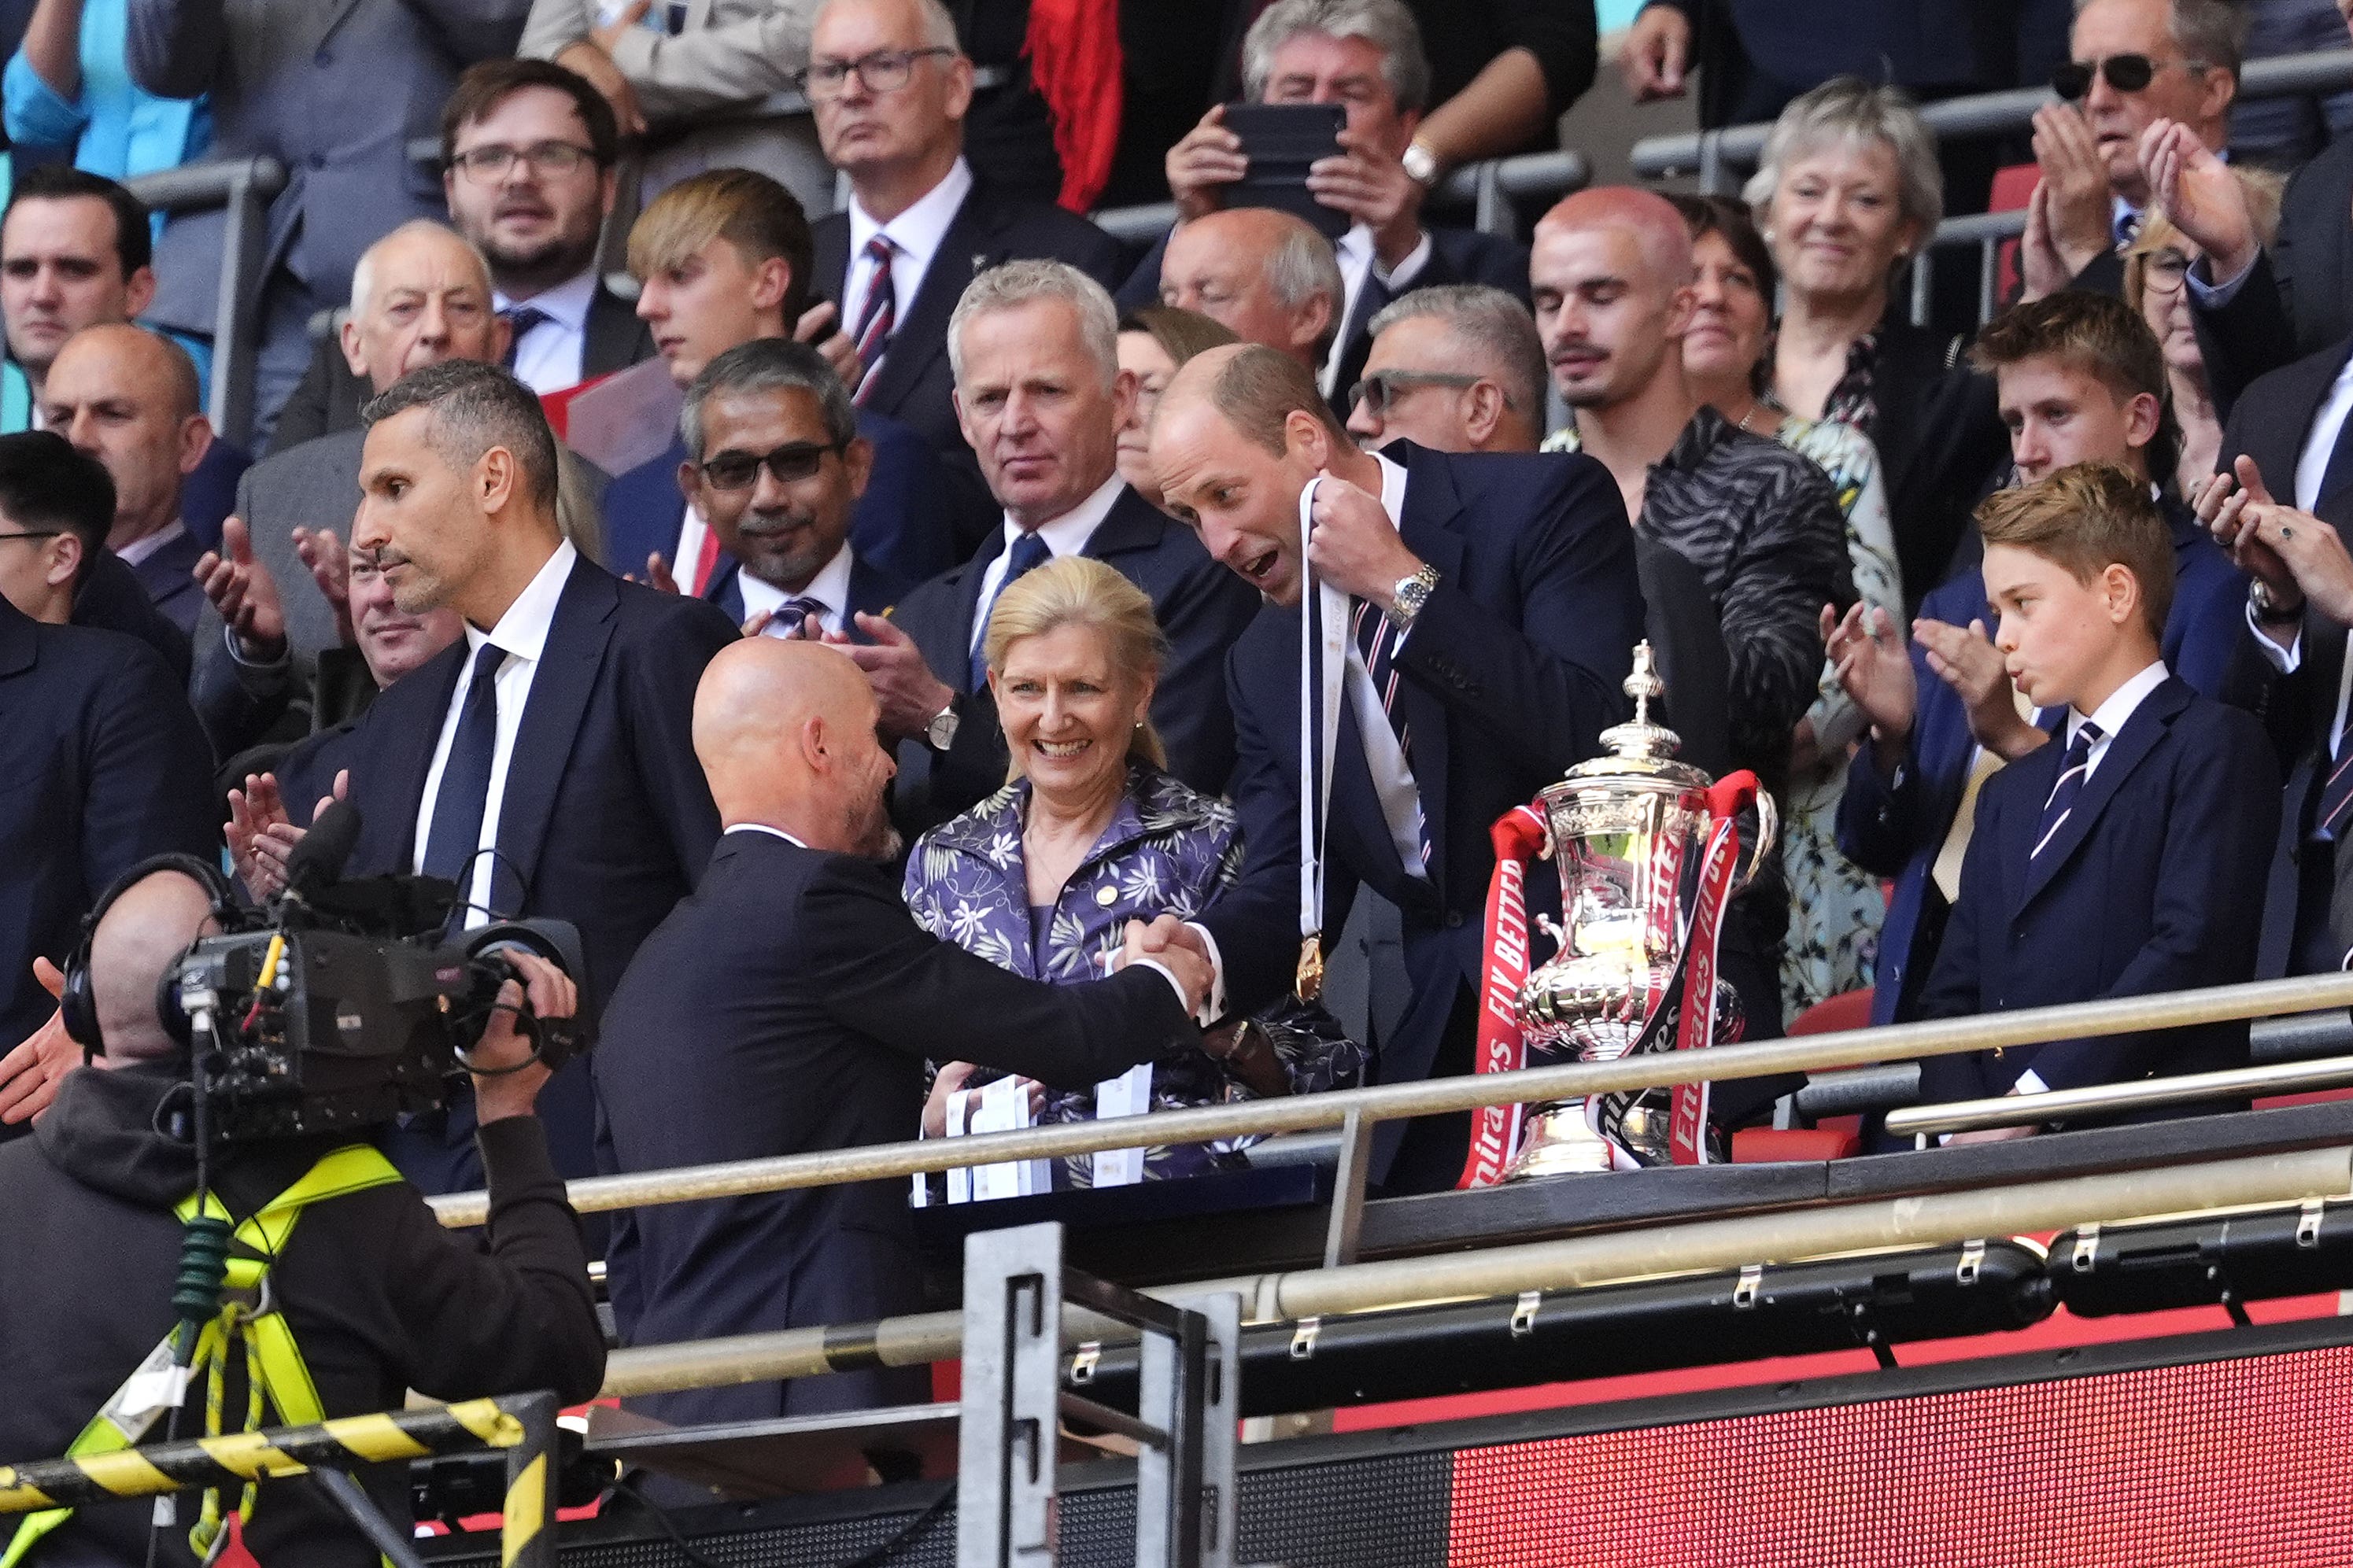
(378, 1297)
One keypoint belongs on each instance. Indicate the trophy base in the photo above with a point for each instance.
(1560, 1142)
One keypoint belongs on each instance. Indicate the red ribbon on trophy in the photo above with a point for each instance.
(1518, 836)
(1727, 799)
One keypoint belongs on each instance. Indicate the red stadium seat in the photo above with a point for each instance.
(1847, 1010)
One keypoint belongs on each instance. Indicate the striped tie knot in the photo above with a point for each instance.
(2073, 770)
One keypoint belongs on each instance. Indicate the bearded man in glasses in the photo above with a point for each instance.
(2132, 63)
(776, 465)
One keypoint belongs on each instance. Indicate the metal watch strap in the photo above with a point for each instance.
(1411, 593)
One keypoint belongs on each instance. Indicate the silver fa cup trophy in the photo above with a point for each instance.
(1629, 831)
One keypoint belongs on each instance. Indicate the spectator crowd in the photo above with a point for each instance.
(732, 499)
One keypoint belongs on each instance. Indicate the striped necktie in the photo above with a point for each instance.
(879, 316)
(2074, 768)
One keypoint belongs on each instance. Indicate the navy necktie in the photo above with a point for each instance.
(2339, 471)
(2072, 771)
(792, 615)
(519, 321)
(457, 832)
(1028, 553)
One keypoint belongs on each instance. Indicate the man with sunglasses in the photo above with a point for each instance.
(890, 86)
(776, 465)
(528, 157)
(2133, 62)
(1455, 369)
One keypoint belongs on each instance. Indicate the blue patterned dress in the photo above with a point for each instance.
(1168, 850)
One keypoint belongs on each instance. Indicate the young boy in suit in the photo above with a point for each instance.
(2128, 856)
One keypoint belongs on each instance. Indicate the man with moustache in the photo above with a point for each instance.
(1493, 611)
(528, 157)
(787, 1005)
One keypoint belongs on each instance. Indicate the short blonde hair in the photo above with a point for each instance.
(748, 210)
(2085, 518)
(1079, 591)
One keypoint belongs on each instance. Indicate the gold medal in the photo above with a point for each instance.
(1310, 968)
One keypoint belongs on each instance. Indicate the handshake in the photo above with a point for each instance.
(1180, 951)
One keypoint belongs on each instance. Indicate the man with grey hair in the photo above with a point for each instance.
(1034, 347)
(2132, 63)
(1365, 56)
(1458, 368)
(1263, 275)
(890, 86)
(544, 762)
(776, 465)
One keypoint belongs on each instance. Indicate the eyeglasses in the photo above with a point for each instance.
(2125, 73)
(1380, 390)
(884, 70)
(790, 463)
(2163, 271)
(491, 165)
(35, 533)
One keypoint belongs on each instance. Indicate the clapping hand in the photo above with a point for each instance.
(2079, 211)
(262, 836)
(331, 568)
(2041, 270)
(1966, 660)
(29, 1075)
(241, 588)
(1874, 667)
(2200, 196)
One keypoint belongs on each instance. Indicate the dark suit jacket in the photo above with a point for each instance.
(111, 598)
(787, 1006)
(1686, 633)
(329, 396)
(901, 523)
(1202, 607)
(1511, 672)
(1456, 256)
(872, 591)
(913, 385)
(2295, 302)
(1895, 827)
(169, 577)
(609, 825)
(102, 765)
(2154, 882)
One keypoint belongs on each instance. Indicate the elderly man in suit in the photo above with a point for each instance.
(1035, 349)
(333, 89)
(1367, 56)
(542, 762)
(528, 151)
(890, 86)
(1494, 609)
(787, 1005)
(104, 763)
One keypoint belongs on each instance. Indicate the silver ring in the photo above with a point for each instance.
(2286, 532)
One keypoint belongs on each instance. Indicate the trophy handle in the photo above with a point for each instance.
(1727, 797)
(1768, 831)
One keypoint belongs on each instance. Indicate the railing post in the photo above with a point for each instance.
(1347, 1224)
(527, 1529)
(236, 337)
(1008, 1433)
(1988, 277)
(1495, 213)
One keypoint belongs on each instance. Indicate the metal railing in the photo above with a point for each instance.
(1709, 154)
(243, 188)
(2109, 1099)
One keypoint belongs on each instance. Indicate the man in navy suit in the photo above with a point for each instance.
(2079, 379)
(1368, 58)
(787, 1006)
(776, 468)
(104, 763)
(1500, 599)
(1035, 347)
(542, 762)
(914, 202)
(722, 258)
(2126, 856)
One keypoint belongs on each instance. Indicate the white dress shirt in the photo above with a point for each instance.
(1358, 261)
(548, 357)
(914, 235)
(1065, 535)
(2111, 716)
(830, 587)
(764, 827)
(138, 549)
(521, 632)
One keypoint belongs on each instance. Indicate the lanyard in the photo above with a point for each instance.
(1322, 665)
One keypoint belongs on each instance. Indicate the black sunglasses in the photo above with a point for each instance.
(1384, 387)
(790, 463)
(2125, 73)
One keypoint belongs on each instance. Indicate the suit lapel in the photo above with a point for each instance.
(1431, 505)
(407, 739)
(560, 691)
(921, 334)
(832, 261)
(2139, 736)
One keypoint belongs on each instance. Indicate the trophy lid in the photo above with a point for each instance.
(1641, 753)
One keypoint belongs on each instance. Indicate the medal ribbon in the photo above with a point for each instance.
(1322, 664)
(1518, 836)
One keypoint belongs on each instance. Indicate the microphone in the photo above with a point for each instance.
(317, 863)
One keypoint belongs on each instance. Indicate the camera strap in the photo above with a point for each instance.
(274, 1365)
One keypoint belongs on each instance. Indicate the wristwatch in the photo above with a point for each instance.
(1421, 164)
(941, 733)
(1412, 593)
(2266, 605)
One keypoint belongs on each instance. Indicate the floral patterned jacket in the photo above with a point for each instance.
(1168, 850)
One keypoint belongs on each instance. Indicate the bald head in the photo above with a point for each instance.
(136, 356)
(146, 931)
(420, 295)
(1265, 275)
(128, 397)
(786, 733)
